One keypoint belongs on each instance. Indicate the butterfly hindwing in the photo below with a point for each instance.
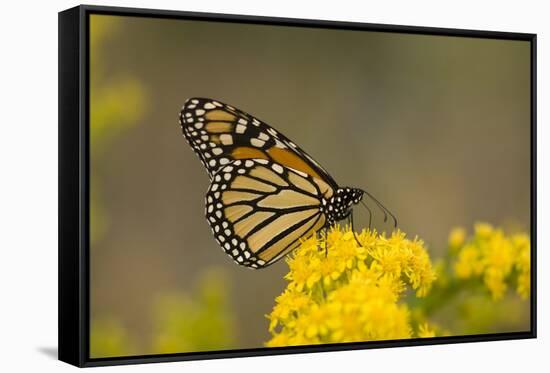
(259, 210)
(220, 134)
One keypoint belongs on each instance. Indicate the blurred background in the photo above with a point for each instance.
(437, 128)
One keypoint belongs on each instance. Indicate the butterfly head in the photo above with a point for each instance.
(340, 204)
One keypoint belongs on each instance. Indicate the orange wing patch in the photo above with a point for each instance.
(245, 152)
(291, 160)
(219, 127)
(287, 159)
(215, 139)
(220, 115)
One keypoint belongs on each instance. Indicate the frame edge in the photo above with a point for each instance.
(305, 22)
(534, 218)
(69, 249)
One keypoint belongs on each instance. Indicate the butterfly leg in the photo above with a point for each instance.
(319, 236)
(353, 229)
(325, 241)
(370, 216)
(323, 238)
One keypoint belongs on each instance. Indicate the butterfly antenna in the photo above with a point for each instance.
(382, 208)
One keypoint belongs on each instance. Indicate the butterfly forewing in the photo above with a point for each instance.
(220, 134)
(259, 210)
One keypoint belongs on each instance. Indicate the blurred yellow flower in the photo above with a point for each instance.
(425, 331)
(108, 338)
(523, 264)
(199, 321)
(493, 256)
(118, 101)
(468, 263)
(350, 292)
(483, 229)
(457, 238)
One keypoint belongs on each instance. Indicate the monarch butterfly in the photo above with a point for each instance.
(265, 192)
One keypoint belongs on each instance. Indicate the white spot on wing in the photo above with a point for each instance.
(257, 142)
(240, 128)
(226, 139)
(277, 168)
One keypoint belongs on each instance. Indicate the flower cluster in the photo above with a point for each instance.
(117, 103)
(201, 320)
(198, 320)
(495, 257)
(350, 292)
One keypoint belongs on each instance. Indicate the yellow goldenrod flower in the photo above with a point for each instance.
(426, 331)
(457, 237)
(493, 256)
(358, 292)
(194, 321)
(468, 263)
(350, 292)
(288, 303)
(482, 229)
(523, 264)
(108, 338)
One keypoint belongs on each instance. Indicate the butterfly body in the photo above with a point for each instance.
(265, 193)
(338, 207)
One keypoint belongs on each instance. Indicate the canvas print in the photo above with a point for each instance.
(260, 186)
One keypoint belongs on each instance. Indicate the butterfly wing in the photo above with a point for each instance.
(258, 210)
(220, 134)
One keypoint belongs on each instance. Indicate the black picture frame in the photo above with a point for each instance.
(73, 253)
